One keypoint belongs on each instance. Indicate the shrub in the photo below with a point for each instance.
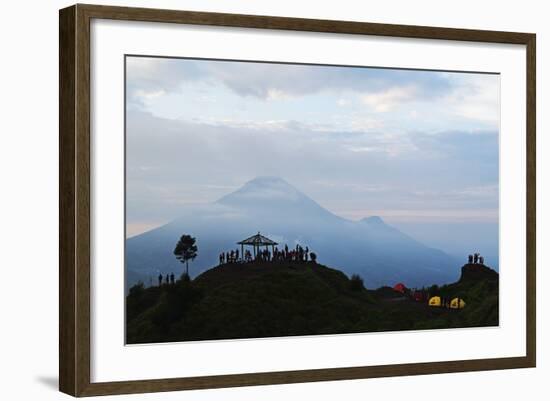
(356, 283)
(137, 289)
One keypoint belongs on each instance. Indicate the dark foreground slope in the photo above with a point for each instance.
(285, 299)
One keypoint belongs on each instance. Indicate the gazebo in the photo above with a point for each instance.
(257, 241)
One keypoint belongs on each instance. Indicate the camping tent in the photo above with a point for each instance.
(400, 287)
(435, 301)
(418, 296)
(457, 303)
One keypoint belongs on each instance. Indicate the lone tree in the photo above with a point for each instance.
(186, 250)
(356, 283)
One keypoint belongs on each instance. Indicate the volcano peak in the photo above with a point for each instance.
(266, 188)
(373, 220)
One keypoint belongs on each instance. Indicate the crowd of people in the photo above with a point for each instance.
(297, 254)
(169, 279)
(475, 259)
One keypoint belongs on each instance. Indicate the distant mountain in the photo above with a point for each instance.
(379, 253)
(266, 195)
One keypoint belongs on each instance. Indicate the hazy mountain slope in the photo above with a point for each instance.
(379, 253)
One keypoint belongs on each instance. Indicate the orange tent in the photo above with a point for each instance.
(400, 287)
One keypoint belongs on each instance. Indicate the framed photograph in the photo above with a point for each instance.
(250, 200)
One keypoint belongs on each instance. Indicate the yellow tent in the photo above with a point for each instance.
(457, 303)
(435, 301)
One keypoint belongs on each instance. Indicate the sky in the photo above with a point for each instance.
(410, 146)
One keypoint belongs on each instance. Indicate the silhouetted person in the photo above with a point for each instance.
(172, 278)
(481, 259)
(470, 259)
(476, 256)
(160, 280)
(313, 257)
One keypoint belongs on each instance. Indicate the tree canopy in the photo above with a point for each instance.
(186, 250)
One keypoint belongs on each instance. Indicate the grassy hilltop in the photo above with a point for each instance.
(288, 299)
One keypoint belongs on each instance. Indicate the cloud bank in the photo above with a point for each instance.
(360, 141)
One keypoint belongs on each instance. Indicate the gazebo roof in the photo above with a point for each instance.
(257, 239)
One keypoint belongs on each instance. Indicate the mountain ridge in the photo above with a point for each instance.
(378, 252)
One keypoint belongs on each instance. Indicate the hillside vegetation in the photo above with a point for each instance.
(289, 299)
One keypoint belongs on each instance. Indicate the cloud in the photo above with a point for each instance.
(272, 81)
(477, 97)
(485, 191)
(145, 96)
(362, 123)
(191, 88)
(388, 99)
(355, 139)
(343, 102)
(172, 164)
(390, 146)
(149, 77)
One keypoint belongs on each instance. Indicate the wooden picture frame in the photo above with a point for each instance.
(74, 199)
